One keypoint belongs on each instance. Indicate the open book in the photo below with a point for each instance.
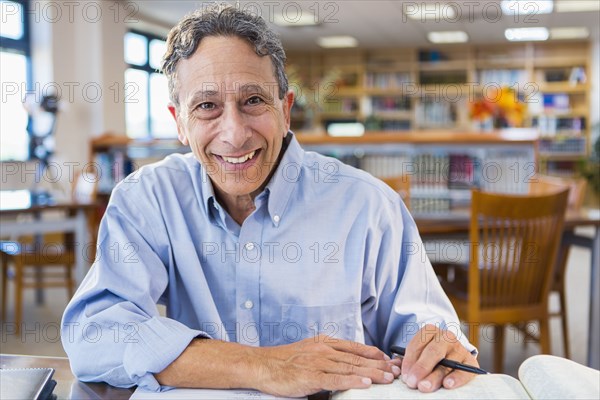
(541, 377)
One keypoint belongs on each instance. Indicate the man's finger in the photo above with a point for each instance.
(433, 381)
(413, 352)
(458, 378)
(333, 382)
(376, 375)
(360, 349)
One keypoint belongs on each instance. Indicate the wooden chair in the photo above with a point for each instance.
(31, 257)
(514, 242)
(28, 257)
(400, 184)
(577, 187)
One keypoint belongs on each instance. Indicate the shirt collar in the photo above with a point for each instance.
(208, 196)
(284, 179)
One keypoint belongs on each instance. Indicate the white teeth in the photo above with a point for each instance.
(239, 160)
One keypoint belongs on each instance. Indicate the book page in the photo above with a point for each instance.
(493, 386)
(198, 394)
(551, 377)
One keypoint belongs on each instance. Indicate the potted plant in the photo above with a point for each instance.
(590, 168)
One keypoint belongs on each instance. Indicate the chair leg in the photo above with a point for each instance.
(69, 278)
(564, 323)
(18, 293)
(545, 335)
(499, 349)
(4, 286)
(474, 333)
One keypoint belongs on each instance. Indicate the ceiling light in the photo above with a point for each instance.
(523, 34)
(577, 5)
(300, 18)
(424, 11)
(448, 37)
(575, 32)
(521, 7)
(330, 42)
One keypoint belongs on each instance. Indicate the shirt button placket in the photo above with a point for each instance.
(247, 277)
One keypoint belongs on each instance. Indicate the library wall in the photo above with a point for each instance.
(82, 61)
(595, 74)
(544, 85)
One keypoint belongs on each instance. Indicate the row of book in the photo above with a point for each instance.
(390, 103)
(575, 145)
(437, 175)
(550, 125)
(504, 77)
(343, 105)
(112, 167)
(563, 168)
(387, 80)
(430, 112)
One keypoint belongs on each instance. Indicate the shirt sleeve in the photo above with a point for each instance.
(111, 329)
(401, 292)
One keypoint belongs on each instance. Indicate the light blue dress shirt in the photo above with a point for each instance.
(329, 249)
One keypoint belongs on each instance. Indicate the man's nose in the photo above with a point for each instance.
(234, 129)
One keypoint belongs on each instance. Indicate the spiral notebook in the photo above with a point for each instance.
(27, 383)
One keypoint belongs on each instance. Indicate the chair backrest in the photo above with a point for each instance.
(401, 185)
(544, 184)
(514, 242)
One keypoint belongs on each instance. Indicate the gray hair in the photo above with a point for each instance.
(185, 37)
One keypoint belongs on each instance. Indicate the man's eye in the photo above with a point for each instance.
(254, 100)
(207, 106)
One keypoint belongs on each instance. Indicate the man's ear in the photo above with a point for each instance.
(288, 102)
(180, 131)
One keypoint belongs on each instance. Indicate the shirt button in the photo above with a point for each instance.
(276, 218)
(249, 246)
(248, 304)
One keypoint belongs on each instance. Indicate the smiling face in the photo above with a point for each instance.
(230, 114)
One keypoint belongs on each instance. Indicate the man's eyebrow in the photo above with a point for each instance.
(201, 95)
(256, 88)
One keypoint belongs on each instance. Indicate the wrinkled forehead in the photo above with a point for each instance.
(225, 65)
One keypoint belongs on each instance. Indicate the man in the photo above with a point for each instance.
(276, 273)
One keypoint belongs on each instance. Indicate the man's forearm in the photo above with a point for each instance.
(295, 370)
(208, 363)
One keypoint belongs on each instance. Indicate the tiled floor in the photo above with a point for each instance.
(41, 333)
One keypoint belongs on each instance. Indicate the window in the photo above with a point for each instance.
(146, 89)
(15, 77)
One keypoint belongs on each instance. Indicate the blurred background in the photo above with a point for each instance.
(81, 85)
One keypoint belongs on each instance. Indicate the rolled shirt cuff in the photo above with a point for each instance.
(158, 342)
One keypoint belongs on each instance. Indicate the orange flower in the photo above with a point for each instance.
(500, 104)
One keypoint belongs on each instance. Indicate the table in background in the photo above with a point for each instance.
(458, 225)
(74, 219)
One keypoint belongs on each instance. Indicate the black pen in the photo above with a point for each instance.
(446, 363)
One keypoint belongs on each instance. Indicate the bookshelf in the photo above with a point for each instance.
(116, 156)
(429, 88)
(442, 166)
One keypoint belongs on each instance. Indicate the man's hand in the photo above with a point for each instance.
(323, 363)
(425, 350)
(294, 370)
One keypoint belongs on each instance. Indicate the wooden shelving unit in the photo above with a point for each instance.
(433, 85)
(442, 166)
